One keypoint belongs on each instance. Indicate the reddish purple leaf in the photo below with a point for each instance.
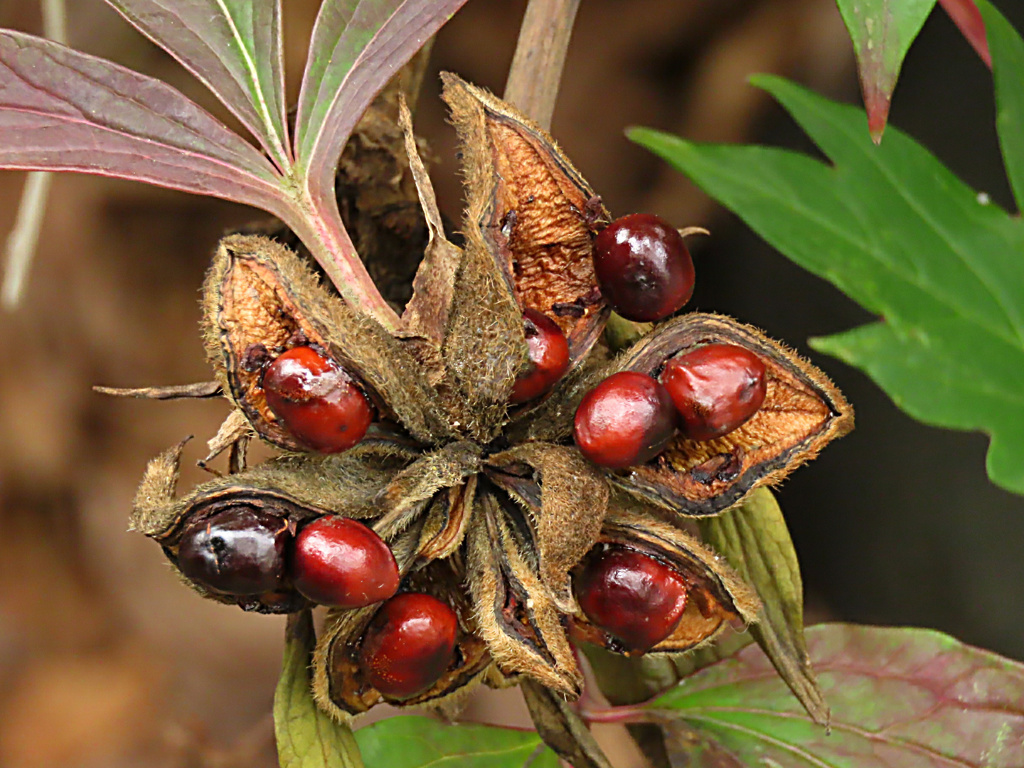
(357, 46)
(61, 110)
(234, 48)
(881, 31)
(967, 17)
(900, 698)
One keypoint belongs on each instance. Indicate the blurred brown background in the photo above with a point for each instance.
(105, 660)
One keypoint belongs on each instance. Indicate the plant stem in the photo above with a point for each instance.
(536, 70)
(23, 238)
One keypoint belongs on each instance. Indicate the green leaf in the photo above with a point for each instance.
(234, 48)
(882, 31)
(418, 742)
(754, 539)
(306, 737)
(905, 698)
(1007, 49)
(892, 228)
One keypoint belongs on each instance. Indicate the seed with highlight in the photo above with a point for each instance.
(238, 551)
(409, 645)
(548, 358)
(625, 420)
(342, 563)
(643, 267)
(316, 400)
(635, 598)
(716, 389)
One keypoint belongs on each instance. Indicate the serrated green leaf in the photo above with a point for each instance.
(420, 742)
(892, 228)
(901, 698)
(306, 737)
(754, 539)
(882, 31)
(1007, 50)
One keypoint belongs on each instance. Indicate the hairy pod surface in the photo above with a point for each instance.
(469, 476)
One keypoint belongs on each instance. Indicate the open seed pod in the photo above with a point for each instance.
(801, 413)
(533, 209)
(271, 500)
(714, 597)
(261, 300)
(341, 679)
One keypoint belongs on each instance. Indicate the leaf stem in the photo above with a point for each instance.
(324, 234)
(536, 70)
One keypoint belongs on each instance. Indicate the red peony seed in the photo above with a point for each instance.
(548, 353)
(636, 599)
(716, 388)
(625, 420)
(342, 563)
(643, 267)
(409, 645)
(316, 400)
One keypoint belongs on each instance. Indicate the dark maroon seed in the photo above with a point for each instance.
(643, 267)
(238, 551)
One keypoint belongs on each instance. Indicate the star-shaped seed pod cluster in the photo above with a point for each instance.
(475, 492)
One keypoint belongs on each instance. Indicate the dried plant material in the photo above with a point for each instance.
(433, 288)
(409, 492)
(339, 684)
(444, 528)
(561, 728)
(565, 528)
(234, 431)
(802, 412)
(716, 595)
(517, 619)
(201, 389)
(534, 211)
(261, 299)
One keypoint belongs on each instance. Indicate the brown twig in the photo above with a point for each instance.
(536, 70)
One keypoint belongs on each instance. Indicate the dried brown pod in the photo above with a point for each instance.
(261, 299)
(532, 210)
(716, 596)
(802, 412)
(487, 508)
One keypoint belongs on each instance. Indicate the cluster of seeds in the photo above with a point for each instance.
(331, 561)
(646, 273)
(497, 523)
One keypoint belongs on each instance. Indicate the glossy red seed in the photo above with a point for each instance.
(625, 420)
(342, 563)
(643, 267)
(409, 645)
(238, 551)
(636, 599)
(548, 352)
(716, 388)
(316, 400)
